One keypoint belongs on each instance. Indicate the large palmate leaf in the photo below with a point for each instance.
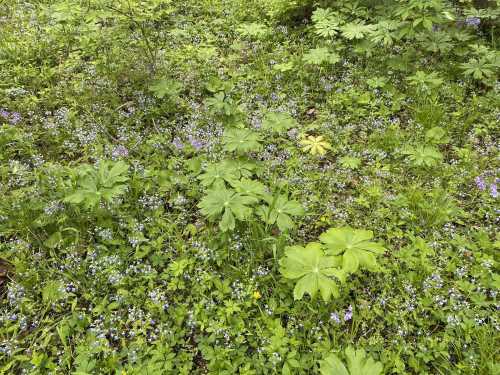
(356, 30)
(217, 173)
(166, 87)
(313, 270)
(315, 145)
(358, 363)
(355, 247)
(280, 210)
(104, 183)
(427, 156)
(278, 121)
(256, 30)
(249, 187)
(241, 140)
(320, 55)
(228, 203)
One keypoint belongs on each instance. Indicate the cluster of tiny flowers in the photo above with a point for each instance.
(12, 117)
(347, 316)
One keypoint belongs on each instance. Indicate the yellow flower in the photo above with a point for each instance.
(256, 294)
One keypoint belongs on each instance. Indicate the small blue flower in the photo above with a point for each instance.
(493, 190)
(481, 185)
(472, 21)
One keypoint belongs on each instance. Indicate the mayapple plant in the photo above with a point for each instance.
(342, 251)
(103, 183)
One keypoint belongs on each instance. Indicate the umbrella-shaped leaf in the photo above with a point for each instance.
(354, 245)
(241, 140)
(358, 363)
(313, 269)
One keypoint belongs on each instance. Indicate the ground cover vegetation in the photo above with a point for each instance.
(249, 187)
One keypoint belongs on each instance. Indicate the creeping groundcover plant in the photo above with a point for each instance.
(249, 187)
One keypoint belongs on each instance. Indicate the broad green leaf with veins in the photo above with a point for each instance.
(355, 247)
(279, 210)
(239, 167)
(165, 87)
(312, 269)
(241, 140)
(106, 182)
(250, 187)
(427, 156)
(218, 173)
(278, 121)
(254, 29)
(228, 203)
(319, 56)
(356, 30)
(358, 363)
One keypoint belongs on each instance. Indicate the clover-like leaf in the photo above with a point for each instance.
(313, 270)
(358, 363)
(355, 247)
(241, 140)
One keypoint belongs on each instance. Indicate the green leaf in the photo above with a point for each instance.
(319, 56)
(256, 30)
(227, 222)
(165, 87)
(355, 247)
(52, 291)
(356, 30)
(278, 122)
(279, 210)
(332, 365)
(218, 173)
(107, 182)
(249, 187)
(350, 162)
(358, 363)
(228, 202)
(312, 269)
(241, 140)
(427, 156)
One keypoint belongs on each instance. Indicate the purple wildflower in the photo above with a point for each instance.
(348, 314)
(178, 143)
(472, 21)
(493, 190)
(481, 185)
(14, 118)
(197, 144)
(119, 151)
(335, 317)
